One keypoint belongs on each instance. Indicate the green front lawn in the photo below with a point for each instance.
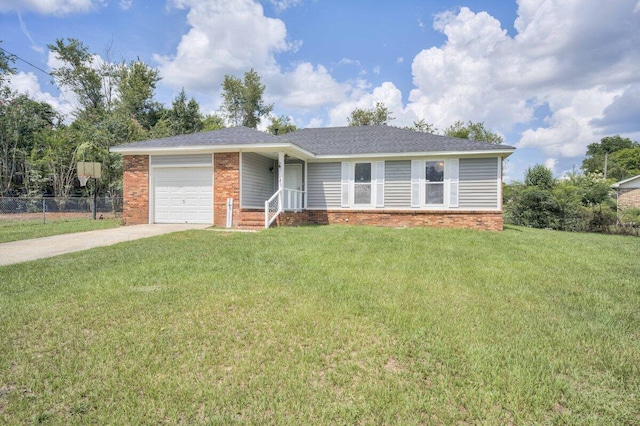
(14, 230)
(327, 325)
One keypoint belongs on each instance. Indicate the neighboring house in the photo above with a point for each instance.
(377, 175)
(628, 193)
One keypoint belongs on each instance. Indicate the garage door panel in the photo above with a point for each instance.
(183, 195)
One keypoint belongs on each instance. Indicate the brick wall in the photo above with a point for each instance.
(628, 198)
(491, 221)
(226, 184)
(135, 189)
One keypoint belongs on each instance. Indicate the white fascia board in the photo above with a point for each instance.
(297, 151)
(622, 182)
(439, 154)
(206, 149)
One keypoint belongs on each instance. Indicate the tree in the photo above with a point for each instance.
(53, 161)
(184, 115)
(575, 203)
(628, 160)
(5, 64)
(619, 153)
(21, 118)
(242, 100)
(472, 131)
(78, 74)
(422, 126)
(281, 125)
(136, 87)
(380, 115)
(539, 176)
(213, 122)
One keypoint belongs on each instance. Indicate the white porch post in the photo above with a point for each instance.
(281, 180)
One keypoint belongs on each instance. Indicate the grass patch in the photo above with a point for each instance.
(326, 325)
(15, 230)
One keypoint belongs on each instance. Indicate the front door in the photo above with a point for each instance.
(293, 187)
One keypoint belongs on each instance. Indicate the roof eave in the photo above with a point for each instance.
(493, 152)
(205, 149)
(617, 184)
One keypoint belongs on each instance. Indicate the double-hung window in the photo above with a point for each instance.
(434, 183)
(363, 184)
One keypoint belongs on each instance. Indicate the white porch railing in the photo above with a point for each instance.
(293, 199)
(272, 208)
(283, 199)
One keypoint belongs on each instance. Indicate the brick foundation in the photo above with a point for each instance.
(490, 221)
(226, 184)
(135, 189)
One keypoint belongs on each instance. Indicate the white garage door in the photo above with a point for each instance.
(183, 195)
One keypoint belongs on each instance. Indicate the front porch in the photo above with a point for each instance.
(251, 189)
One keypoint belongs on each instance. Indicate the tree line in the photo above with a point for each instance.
(113, 103)
(581, 200)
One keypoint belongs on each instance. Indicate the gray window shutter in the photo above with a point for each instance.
(346, 176)
(379, 183)
(453, 167)
(415, 183)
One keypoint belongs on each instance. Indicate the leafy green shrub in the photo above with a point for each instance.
(630, 216)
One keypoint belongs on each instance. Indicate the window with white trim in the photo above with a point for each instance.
(363, 184)
(434, 183)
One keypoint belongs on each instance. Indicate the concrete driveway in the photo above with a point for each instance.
(39, 248)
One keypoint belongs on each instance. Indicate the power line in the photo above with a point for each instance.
(25, 61)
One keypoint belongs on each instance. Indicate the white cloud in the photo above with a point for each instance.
(575, 57)
(568, 128)
(399, 60)
(347, 61)
(621, 116)
(282, 5)
(126, 4)
(306, 88)
(225, 38)
(386, 93)
(550, 163)
(233, 37)
(27, 83)
(315, 122)
(25, 31)
(50, 7)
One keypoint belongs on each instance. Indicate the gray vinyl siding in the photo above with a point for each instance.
(397, 184)
(323, 187)
(258, 182)
(479, 183)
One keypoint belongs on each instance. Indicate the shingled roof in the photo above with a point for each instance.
(356, 140)
(230, 136)
(324, 141)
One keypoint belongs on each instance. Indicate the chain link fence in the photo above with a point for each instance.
(25, 208)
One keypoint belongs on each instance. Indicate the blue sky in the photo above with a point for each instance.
(551, 76)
